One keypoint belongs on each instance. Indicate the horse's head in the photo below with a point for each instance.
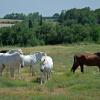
(19, 50)
(42, 63)
(43, 54)
(75, 64)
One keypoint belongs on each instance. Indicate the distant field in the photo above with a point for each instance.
(63, 85)
(6, 25)
(8, 22)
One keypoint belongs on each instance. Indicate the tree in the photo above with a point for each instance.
(17, 16)
(61, 18)
(97, 13)
(41, 21)
(30, 24)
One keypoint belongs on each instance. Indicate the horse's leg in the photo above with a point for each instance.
(30, 70)
(42, 77)
(45, 76)
(48, 74)
(19, 72)
(3, 66)
(7, 70)
(12, 72)
(33, 73)
(1, 69)
(99, 68)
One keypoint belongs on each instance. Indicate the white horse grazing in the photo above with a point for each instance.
(45, 68)
(11, 61)
(30, 60)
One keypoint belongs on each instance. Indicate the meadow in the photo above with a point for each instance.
(63, 85)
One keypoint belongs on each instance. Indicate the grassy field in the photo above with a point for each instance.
(63, 85)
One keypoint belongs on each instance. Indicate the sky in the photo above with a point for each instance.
(44, 7)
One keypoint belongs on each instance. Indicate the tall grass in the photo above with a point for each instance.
(63, 84)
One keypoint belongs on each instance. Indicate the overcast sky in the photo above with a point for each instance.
(44, 7)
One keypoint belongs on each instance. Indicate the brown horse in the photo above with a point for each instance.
(89, 59)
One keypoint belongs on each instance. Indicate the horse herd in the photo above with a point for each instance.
(15, 58)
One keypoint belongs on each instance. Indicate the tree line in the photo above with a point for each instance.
(70, 26)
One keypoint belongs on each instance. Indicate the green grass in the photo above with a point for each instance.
(63, 84)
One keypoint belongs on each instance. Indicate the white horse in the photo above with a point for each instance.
(11, 61)
(10, 52)
(45, 68)
(30, 60)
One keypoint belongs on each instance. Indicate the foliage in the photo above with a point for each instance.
(20, 16)
(71, 26)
